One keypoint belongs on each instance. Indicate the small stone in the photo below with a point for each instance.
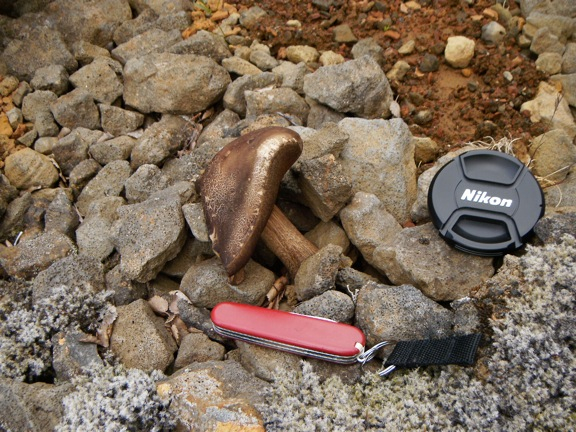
(251, 17)
(8, 84)
(429, 63)
(82, 173)
(263, 362)
(102, 79)
(15, 117)
(221, 126)
(206, 284)
(194, 214)
(459, 51)
(197, 347)
(61, 215)
(549, 63)
(263, 60)
(118, 148)
(85, 52)
(343, 34)
(36, 108)
(369, 47)
(203, 43)
(546, 41)
(467, 72)
(568, 83)
(398, 71)
(333, 305)
(192, 252)
(76, 109)
(302, 53)
(28, 138)
(493, 32)
(426, 150)
(53, 78)
(70, 354)
(144, 182)
(423, 117)
(125, 291)
(272, 101)
(292, 75)
(29, 169)
(569, 59)
(117, 121)
(151, 41)
(329, 58)
(552, 227)
(508, 76)
(140, 340)
(234, 98)
(325, 233)
(317, 274)
(240, 67)
(407, 48)
(552, 155)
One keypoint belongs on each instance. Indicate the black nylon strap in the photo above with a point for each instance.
(453, 350)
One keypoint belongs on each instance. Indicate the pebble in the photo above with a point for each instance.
(546, 41)
(76, 109)
(369, 47)
(549, 63)
(102, 78)
(493, 32)
(332, 304)
(302, 53)
(569, 59)
(407, 47)
(263, 362)
(240, 67)
(197, 347)
(52, 78)
(330, 58)
(325, 233)
(71, 355)
(151, 41)
(459, 51)
(194, 215)
(107, 151)
(235, 99)
(61, 215)
(108, 182)
(343, 34)
(398, 71)
(276, 100)
(317, 274)
(124, 291)
(27, 169)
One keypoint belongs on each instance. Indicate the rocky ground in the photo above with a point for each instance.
(112, 110)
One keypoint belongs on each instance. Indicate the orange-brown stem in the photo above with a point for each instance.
(286, 242)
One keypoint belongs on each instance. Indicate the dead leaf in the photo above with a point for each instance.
(159, 305)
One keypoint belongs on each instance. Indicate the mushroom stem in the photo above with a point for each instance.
(286, 242)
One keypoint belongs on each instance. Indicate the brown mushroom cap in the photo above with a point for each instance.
(239, 189)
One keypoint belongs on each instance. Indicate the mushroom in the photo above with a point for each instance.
(239, 189)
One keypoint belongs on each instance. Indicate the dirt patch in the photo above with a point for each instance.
(459, 106)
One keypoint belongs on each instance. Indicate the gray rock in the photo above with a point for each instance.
(148, 235)
(161, 7)
(34, 49)
(125, 291)
(28, 138)
(549, 63)
(325, 233)
(151, 41)
(140, 340)
(52, 78)
(264, 362)
(429, 63)
(562, 26)
(198, 318)
(8, 84)
(73, 271)
(343, 34)
(222, 126)
(270, 101)
(160, 141)
(234, 98)
(262, 60)
(569, 59)
(459, 51)
(553, 153)
(552, 227)
(146, 180)
(324, 186)
(412, 258)
(292, 75)
(101, 78)
(550, 105)
(557, 7)
(563, 193)
(332, 304)
(13, 218)
(425, 150)
(150, 86)
(184, 189)
(568, 83)
(24, 402)
(76, 109)
(194, 215)
(33, 255)
(252, 16)
(70, 354)
(27, 169)
(15, 117)
(351, 281)
(357, 86)
(203, 394)
(197, 347)
(205, 44)
(119, 148)
(321, 114)
(400, 313)
(193, 251)
(206, 284)
(368, 223)
(82, 173)
(493, 32)
(302, 54)
(379, 158)
(371, 48)
(36, 108)
(546, 41)
(93, 236)
(328, 139)
(61, 215)
(398, 71)
(330, 58)
(238, 66)
(317, 274)
(108, 182)
(20, 92)
(118, 121)
(7, 193)
(85, 52)
(407, 48)
(145, 20)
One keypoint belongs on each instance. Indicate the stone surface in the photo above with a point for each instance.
(553, 154)
(72, 149)
(193, 251)
(118, 121)
(125, 291)
(369, 47)
(148, 235)
(264, 362)
(302, 53)
(368, 223)
(379, 158)
(271, 101)
(493, 32)
(549, 63)
(82, 173)
(93, 236)
(569, 59)
(213, 396)
(102, 78)
(332, 304)
(553, 226)
(400, 313)
(108, 182)
(356, 86)
(459, 51)
(140, 340)
(545, 40)
(568, 83)
(61, 216)
(146, 180)
(317, 274)
(292, 75)
(151, 41)
(234, 98)
(238, 66)
(70, 354)
(412, 258)
(52, 78)
(197, 347)
(31, 256)
(194, 214)
(165, 82)
(27, 169)
(206, 284)
(36, 108)
(76, 109)
(205, 44)
(343, 34)
(563, 193)
(119, 148)
(326, 233)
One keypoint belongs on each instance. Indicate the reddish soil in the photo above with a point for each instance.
(464, 108)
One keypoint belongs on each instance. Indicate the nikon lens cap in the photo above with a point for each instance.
(485, 202)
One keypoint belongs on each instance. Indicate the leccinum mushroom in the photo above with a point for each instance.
(239, 189)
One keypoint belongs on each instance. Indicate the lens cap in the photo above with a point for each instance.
(485, 202)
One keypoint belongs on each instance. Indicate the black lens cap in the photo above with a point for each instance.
(485, 202)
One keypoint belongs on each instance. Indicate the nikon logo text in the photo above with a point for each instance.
(483, 198)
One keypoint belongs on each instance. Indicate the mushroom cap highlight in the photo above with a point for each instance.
(239, 189)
